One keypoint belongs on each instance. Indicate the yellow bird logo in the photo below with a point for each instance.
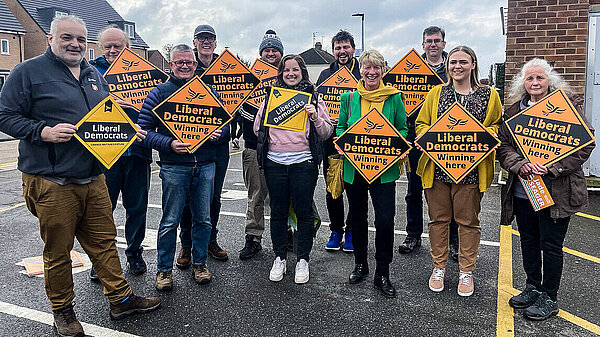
(455, 122)
(372, 126)
(260, 72)
(552, 109)
(410, 66)
(129, 64)
(226, 66)
(193, 95)
(340, 80)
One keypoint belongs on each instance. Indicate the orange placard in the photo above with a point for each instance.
(267, 74)
(457, 142)
(330, 90)
(131, 78)
(414, 77)
(192, 113)
(231, 79)
(372, 144)
(549, 130)
(536, 191)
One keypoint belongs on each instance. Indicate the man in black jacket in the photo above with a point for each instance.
(63, 184)
(342, 45)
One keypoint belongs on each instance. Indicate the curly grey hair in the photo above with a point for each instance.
(517, 87)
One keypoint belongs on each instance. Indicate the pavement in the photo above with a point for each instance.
(241, 301)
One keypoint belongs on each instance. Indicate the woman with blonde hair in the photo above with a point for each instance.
(446, 199)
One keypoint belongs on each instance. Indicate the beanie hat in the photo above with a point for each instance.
(270, 40)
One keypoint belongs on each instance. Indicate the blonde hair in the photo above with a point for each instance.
(372, 56)
(474, 78)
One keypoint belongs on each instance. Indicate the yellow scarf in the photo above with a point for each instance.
(374, 98)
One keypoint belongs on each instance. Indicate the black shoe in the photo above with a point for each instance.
(136, 264)
(290, 242)
(409, 244)
(93, 275)
(359, 272)
(251, 248)
(454, 251)
(385, 286)
(542, 309)
(525, 298)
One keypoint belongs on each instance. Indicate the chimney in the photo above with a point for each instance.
(319, 45)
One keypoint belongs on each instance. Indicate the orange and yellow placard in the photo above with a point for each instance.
(536, 191)
(192, 113)
(231, 79)
(285, 109)
(549, 130)
(131, 78)
(267, 74)
(330, 90)
(106, 131)
(372, 145)
(414, 77)
(457, 142)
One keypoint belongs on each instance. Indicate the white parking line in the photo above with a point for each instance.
(47, 318)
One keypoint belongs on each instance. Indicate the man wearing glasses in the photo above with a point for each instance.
(435, 56)
(186, 177)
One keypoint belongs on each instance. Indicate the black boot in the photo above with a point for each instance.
(359, 272)
(385, 286)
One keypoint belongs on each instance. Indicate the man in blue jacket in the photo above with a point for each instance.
(130, 175)
(186, 177)
(63, 185)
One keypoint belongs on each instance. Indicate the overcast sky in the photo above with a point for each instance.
(392, 26)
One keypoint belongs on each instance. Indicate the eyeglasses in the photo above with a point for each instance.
(187, 63)
(205, 38)
(430, 41)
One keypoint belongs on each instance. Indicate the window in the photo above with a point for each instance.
(59, 14)
(2, 78)
(91, 54)
(129, 29)
(5, 47)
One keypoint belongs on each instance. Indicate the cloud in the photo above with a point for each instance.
(393, 27)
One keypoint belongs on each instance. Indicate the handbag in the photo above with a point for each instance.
(334, 178)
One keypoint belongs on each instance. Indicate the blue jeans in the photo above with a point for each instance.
(130, 176)
(295, 183)
(181, 183)
(215, 206)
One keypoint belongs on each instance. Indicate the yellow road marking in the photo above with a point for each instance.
(572, 252)
(505, 318)
(5, 165)
(589, 216)
(12, 207)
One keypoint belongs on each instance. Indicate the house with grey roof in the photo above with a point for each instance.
(316, 60)
(11, 42)
(35, 16)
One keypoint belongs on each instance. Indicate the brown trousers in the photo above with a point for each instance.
(66, 212)
(464, 202)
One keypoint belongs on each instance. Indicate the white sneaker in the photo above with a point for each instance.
(302, 274)
(278, 270)
(465, 284)
(436, 281)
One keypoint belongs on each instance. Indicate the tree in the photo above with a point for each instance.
(246, 62)
(166, 51)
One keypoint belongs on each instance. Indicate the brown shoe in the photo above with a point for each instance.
(66, 322)
(201, 274)
(217, 252)
(132, 305)
(184, 260)
(164, 281)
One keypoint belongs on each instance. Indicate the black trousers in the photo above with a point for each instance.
(383, 197)
(335, 207)
(542, 240)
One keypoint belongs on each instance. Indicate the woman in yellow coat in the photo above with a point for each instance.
(445, 198)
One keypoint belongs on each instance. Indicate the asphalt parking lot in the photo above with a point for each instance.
(241, 301)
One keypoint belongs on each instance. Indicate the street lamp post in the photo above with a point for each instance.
(362, 26)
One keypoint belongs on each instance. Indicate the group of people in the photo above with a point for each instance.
(66, 188)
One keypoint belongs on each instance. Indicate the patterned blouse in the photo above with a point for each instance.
(476, 103)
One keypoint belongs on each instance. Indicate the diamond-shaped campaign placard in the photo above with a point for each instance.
(192, 113)
(457, 142)
(330, 90)
(131, 78)
(285, 109)
(231, 79)
(106, 131)
(372, 145)
(414, 77)
(267, 74)
(549, 130)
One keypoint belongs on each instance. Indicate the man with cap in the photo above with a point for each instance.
(343, 47)
(205, 42)
(270, 51)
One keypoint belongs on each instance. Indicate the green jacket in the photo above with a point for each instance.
(393, 110)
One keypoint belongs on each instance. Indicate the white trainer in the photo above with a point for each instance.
(465, 283)
(302, 274)
(278, 270)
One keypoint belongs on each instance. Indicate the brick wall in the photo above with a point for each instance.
(15, 55)
(555, 30)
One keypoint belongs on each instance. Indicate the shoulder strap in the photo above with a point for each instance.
(349, 104)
